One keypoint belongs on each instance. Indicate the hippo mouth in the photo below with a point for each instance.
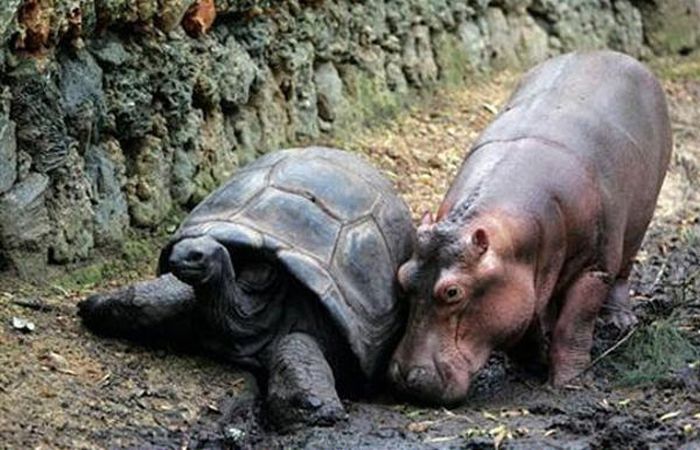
(434, 385)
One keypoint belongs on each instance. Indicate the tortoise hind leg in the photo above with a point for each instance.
(301, 387)
(145, 310)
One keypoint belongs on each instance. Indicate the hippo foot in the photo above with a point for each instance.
(301, 388)
(617, 310)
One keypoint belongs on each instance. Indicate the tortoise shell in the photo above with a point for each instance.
(334, 222)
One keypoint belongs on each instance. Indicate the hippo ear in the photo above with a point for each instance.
(427, 218)
(480, 241)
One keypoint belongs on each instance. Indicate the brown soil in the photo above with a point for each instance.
(62, 387)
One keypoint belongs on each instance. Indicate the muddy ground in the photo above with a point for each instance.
(62, 387)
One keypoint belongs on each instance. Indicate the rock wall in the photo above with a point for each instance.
(113, 115)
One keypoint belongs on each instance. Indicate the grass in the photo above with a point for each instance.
(652, 354)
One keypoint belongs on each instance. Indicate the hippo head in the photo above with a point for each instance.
(470, 291)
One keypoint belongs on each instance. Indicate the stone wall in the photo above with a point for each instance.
(113, 115)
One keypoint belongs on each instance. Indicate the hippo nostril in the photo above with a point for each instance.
(416, 376)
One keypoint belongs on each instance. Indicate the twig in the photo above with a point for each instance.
(36, 305)
(624, 339)
(658, 276)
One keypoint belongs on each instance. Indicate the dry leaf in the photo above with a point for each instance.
(670, 415)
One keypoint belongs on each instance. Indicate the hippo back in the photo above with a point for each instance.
(603, 105)
(334, 222)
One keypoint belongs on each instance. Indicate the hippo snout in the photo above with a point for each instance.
(422, 383)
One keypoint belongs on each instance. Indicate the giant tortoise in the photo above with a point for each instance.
(288, 269)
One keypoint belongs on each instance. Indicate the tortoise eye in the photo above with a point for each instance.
(452, 293)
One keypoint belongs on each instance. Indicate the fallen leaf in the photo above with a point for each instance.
(488, 415)
(58, 363)
(670, 415)
(419, 427)
(490, 108)
(499, 434)
(439, 439)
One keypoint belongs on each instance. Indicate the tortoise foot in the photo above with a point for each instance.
(301, 386)
(290, 410)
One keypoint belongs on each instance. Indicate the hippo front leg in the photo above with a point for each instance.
(301, 387)
(157, 308)
(572, 338)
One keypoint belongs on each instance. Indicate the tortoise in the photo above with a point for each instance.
(288, 269)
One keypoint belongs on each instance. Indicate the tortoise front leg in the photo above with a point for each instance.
(149, 309)
(301, 387)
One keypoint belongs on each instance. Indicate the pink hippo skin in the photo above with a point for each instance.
(539, 230)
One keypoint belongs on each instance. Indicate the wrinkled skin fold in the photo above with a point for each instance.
(538, 232)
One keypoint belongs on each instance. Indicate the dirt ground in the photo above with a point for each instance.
(62, 387)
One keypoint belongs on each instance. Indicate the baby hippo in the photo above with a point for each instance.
(538, 232)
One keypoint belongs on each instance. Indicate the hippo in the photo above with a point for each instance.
(537, 234)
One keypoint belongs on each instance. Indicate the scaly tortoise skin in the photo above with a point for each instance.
(289, 269)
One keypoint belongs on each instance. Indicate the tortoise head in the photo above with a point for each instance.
(197, 261)
(246, 280)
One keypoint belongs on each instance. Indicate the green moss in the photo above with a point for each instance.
(652, 353)
(134, 260)
(678, 68)
(81, 278)
(454, 64)
(372, 101)
(690, 236)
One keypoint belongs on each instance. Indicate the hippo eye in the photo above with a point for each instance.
(453, 293)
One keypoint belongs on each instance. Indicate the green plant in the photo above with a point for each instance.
(655, 351)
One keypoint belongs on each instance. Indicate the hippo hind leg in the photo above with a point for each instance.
(301, 387)
(618, 307)
(147, 310)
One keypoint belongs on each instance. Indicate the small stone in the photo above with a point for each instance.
(23, 325)
(329, 91)
(234, 434)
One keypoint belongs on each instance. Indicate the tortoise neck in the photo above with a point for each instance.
(218, 295)
(219, 300)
